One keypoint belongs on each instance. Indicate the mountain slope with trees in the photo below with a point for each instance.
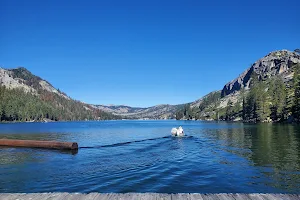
(267, 91)
(26, 97)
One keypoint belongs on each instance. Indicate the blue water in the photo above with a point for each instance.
(141, 156)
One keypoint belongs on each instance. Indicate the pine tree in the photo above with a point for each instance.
(262, 104)
(256, 105)
(289, 99)
(229, 110)
(243, 103)
(296, 108)
(277, 92)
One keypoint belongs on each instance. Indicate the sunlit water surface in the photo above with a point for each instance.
(141, 156)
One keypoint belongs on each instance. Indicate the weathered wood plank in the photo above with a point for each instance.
(209, 197)
(62, 196)
(4, 195)
(242, 197)
(14, 196)
(268, 197)
(144, 196)
(196, 196)
(147, 196)
(73, 196)
(103, 196)
(281, 196)
(161, 196)
(125, 196)
(34, 196)
(92, 196)
(51, 196)
(256, 196)
(225, 196)
(180, 196)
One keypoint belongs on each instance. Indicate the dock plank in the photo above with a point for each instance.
(10, 196)
(224, 196)
(145, 196)
(92, 196)
(179, 196)
(195, 196)
(161, 196)
(15, 196)
(209, 197)
(34, 196)
(268, 197)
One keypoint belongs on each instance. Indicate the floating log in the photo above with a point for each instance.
(39, 144)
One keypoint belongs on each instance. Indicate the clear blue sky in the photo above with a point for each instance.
(143, 53)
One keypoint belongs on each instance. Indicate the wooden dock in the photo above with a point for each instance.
(144, 196)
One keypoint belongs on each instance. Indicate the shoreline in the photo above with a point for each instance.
(199, 120)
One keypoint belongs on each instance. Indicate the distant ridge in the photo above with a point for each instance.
(163, 111)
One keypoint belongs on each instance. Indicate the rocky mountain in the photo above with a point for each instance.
(278, 64)
(267, 91)
(119, 109)
(163, 111)
(23, 79)
(26, 97)
(275, 63)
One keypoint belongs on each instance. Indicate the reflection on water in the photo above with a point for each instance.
(21, 155)
(273, 148)
(140, 156)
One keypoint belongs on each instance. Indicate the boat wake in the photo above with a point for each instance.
(131, 142)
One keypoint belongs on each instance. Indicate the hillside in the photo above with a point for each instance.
(23, 79)
(266, 91)
(26, 97)
(275, 63)
(163, 111)
(269, 90)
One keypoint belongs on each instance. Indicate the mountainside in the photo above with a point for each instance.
(163, 111)
(23, 79)
(26, 97)
(119, 109)
(267, 91)
(275, 63)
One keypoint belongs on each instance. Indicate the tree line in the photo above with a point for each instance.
(207, 104)
(18, 105)
(270, 100)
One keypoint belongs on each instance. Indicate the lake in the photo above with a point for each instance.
(141, 156)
